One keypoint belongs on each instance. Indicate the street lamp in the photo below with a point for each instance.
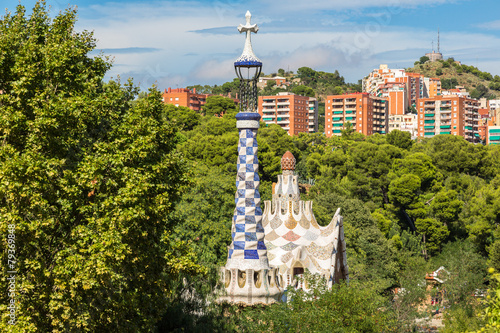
(248, 68)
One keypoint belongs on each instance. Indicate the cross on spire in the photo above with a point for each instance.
(248, 55)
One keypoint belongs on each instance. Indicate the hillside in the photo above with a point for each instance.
(452, 73)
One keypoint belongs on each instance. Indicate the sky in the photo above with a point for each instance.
(181, 43)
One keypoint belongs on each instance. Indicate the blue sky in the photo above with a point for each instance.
(179, 43)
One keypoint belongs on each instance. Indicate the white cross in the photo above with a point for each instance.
(248, 28)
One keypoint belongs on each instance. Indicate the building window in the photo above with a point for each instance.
(359, 125)
(360, 113)
(454, 108)
(454, 121)
(454, 115)
(170, 99)
(359, 118)
(177, 98)
(421, 103)
(455, 102)
(177, 105)
(421, 122)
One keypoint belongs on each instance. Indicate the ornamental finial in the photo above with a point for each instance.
(248, 57)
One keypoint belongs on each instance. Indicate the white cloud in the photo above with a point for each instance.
(492, 25)
(326, 42)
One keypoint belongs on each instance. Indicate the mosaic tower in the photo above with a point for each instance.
(295, 242)
(247, 276)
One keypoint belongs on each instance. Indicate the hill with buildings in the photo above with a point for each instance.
(452, 73)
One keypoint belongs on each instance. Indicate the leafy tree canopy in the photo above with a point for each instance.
(88, 178)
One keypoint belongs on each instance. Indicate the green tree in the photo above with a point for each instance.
(205, 214)
(88, 177)
(338, 90)
(346, 308)
(433, 232)
(404, 190)
(423, 59)
(270, 84)
(479, 91)
(185, 118)
(218, 106)
(453, 154)
(446, 207)
(418, 164)
(399, 139)
(303, 90)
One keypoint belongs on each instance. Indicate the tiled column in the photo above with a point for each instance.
(247, 249)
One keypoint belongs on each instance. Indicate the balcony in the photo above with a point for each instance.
(268, 104)
(283, 121)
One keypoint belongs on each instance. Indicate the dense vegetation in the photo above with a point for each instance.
(122, 205)
(409, 207)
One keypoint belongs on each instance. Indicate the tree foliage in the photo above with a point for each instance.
(88, 177)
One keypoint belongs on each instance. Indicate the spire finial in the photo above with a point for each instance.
(288, 161)
(248, 55)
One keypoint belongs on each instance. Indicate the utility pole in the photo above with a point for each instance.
(438, 40)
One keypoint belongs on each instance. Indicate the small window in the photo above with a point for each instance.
(177, 98)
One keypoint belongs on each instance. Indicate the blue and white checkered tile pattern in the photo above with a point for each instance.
(247, 231)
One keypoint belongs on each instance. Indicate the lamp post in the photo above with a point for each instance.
(248, 68)
(248, 278)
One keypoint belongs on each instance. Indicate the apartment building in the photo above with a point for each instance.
(494, 105)
(367, 114)
(406, 123)
(288, 110)
(279, 80)
(402, 89)
(416, 86)
(397, 95)
(185, 97)
(483, 120)
(450, 114)
(493, 136)
(432, 87)
(313, 115)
